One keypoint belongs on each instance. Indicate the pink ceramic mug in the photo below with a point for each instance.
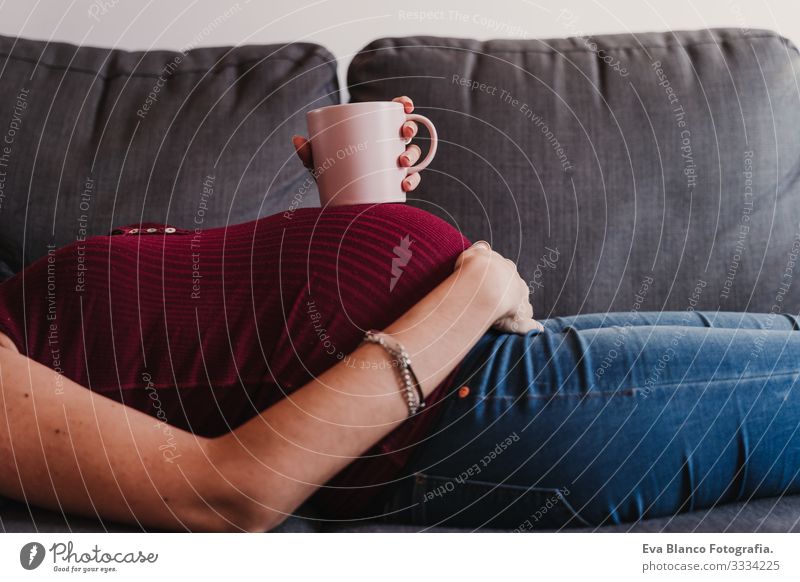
(356, 149)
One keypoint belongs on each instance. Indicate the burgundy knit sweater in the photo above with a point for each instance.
(203, 329)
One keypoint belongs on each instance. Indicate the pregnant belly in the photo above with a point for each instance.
(278, 301)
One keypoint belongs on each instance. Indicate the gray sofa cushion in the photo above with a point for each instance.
(100, 138)
(617, 171)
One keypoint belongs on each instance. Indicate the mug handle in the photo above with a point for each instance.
(434, 142)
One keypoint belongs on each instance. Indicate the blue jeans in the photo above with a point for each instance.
(611, 418)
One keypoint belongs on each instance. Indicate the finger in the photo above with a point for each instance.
(524, 309)
(518, 326)
(410, 156)
(525, 290)
(408, 104)
(528, 325)
(303, 148)
(409, 129)
(411, 182)
(506, 324)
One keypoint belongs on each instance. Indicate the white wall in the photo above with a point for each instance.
(344, 27)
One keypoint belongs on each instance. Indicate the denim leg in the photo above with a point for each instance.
(588, 423)
(722, 319)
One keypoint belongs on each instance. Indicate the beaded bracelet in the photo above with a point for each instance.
(408, 380)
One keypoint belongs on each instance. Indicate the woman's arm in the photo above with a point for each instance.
(72, 449)
(302, 441)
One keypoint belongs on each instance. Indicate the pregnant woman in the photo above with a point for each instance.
(216, 380)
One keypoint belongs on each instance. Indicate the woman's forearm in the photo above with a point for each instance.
(279, 458)
(69, 449)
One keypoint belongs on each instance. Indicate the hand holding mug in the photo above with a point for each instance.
(359, 152)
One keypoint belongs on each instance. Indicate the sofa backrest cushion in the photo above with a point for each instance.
(96, 138)
(622, 172)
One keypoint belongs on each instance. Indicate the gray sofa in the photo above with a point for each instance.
(637, 158)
